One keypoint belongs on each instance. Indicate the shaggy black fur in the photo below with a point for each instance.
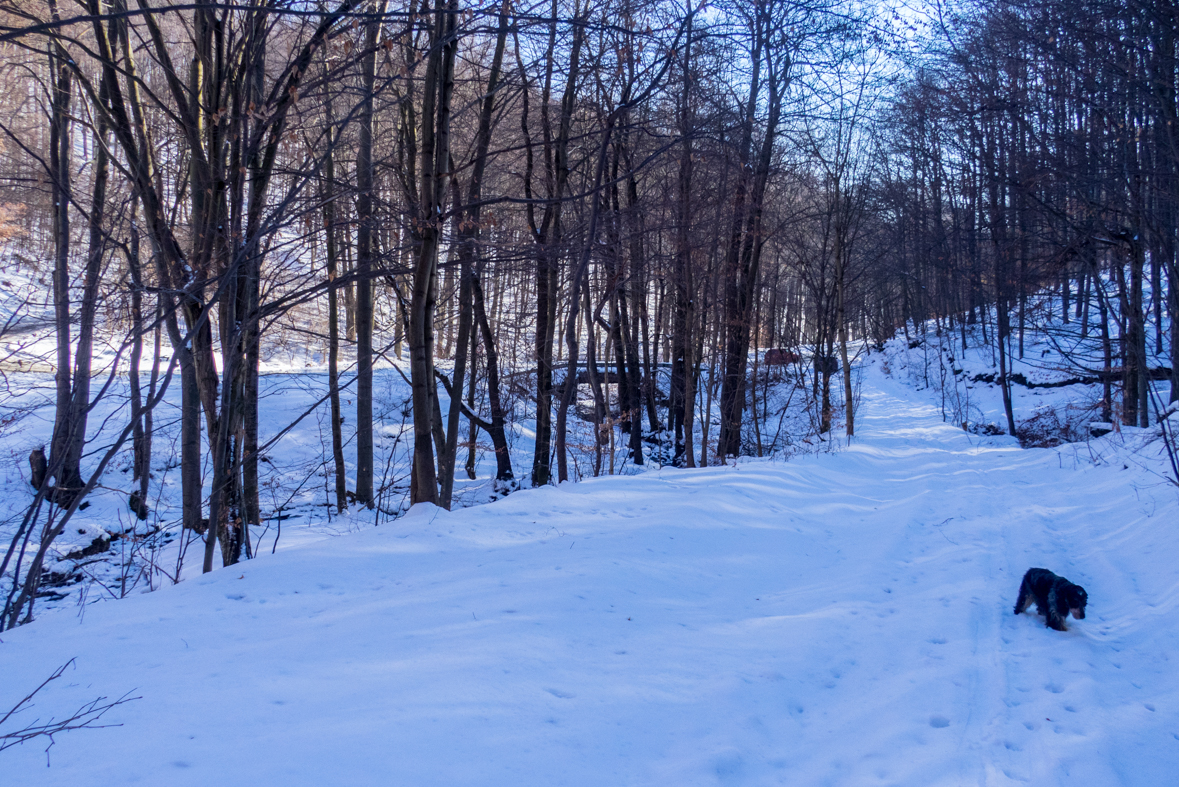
(1055, 597)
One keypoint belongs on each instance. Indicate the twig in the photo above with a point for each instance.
(84, 718)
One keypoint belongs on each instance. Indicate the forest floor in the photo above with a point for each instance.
(844, 618)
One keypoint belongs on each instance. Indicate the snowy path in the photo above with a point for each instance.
(842, 619)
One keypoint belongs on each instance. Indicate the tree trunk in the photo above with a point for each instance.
(365, 252)
(468, 234)
(547, 233)
(505, 479)
(66, 473)
(435, 158)
(327, 194)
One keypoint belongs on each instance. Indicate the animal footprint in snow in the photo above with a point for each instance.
(564, 695)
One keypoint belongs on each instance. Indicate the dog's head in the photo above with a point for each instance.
(1077, 598)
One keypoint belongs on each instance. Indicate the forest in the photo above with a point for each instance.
(613, 220)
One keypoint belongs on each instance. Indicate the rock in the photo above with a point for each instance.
(97, 547)
(138, 506)
(1099, 429)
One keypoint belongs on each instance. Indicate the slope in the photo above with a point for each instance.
(841, 619)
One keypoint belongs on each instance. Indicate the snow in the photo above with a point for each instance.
(842, 618)
(1048, 402)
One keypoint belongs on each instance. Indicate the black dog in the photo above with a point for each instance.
(1055, 597)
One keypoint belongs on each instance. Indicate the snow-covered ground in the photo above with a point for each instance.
(842, 618)
(1056, 393)
(297, 491)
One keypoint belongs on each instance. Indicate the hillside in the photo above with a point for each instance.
(839, 619)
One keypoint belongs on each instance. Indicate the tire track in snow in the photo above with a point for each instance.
(1062, 708)
(1009, 520)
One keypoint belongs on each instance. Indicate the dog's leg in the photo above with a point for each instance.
(1052, 617)
(1042, 604)
(1025, 596)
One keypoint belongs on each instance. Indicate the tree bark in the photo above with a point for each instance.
(365, 251)
(435, 159)
(469, 233)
